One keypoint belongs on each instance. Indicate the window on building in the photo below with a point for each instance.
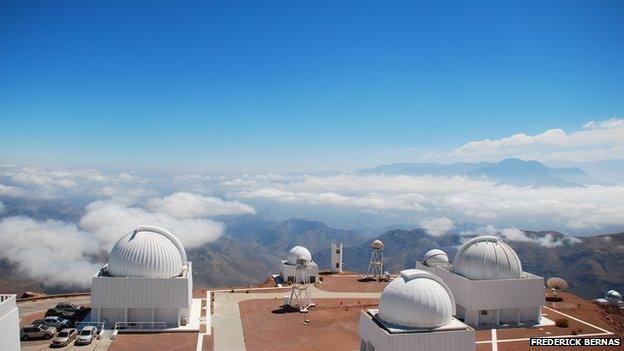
(337, 251)
(337, 265)
(484, 312)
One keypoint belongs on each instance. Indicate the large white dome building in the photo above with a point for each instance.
(417, 299)
(436, 257)
(296, 256)
(417, 307)
(487, 258)
(147, 279)
(488, 283)
(147, 252)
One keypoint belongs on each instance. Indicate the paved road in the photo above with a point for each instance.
(227, 323)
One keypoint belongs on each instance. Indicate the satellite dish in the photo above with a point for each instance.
(556, 284)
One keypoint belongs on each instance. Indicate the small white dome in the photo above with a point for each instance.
(435, 257)
(147, 252)
(377, 244)
(613, 296)
(487, 258)
(417, 299)
(299, 253)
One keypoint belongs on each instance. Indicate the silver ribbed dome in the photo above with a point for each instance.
(299, 253)
(613, 296)
(435, 257)
(417, 299)
(147, 252)
(487, 258)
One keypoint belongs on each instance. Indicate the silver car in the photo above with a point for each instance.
(64, 337)
(37, 332)
(57, 322)
(86, 335)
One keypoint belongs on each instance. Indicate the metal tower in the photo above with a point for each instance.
(376, 265)
(300, 292)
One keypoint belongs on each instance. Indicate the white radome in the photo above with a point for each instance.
(435, 257)
(299, 253)
(613, 296)
(417, 299)
(147, 251)
(377, 244)
(487, 258)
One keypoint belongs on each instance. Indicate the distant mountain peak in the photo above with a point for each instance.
(511, 171)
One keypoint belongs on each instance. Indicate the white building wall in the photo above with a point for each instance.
(523, 296)
(9, 323)
(121, 299)
(371, 334)
(336, 258)
(288, 271)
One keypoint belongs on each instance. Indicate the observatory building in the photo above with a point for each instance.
(288, 267)
(147, 279)
(488, 283)
(611, 298)
(9, 323)
(415, 313)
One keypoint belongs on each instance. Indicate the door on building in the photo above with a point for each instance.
(110, 316)
(139, 315)
(167, 315)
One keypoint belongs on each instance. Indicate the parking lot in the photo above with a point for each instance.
(30, 310)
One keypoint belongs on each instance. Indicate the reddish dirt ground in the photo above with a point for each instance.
(349, 283)
(27, 320)
(165, 341)
(208, 342)
(268, 327)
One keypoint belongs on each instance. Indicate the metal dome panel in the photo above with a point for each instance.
(487, 258)
(417, 299)
(298, 254)
(435, 257)
(147, 252)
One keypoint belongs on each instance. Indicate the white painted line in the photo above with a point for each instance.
(200, 342)
(578, 320)
(494, 342)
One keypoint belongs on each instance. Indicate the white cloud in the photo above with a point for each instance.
(6, 190)
(108, 220)
(53, 252)
(189, 205)
(437, 226)
(597, 140)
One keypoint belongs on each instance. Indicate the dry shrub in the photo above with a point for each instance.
(562, 323)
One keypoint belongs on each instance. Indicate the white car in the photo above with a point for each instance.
(86, 335)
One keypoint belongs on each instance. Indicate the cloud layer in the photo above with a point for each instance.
(597, 140)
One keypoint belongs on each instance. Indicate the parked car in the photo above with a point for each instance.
(41, 331)
(86, 335)
(64, 337)
(53, 312)
(38, 322)
(66, 306)
(57, 322)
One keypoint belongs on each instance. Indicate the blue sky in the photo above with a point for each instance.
(233, 86)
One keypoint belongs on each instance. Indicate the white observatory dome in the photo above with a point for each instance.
(487, 258)
(613, 296)
(299, 253)
(147, 252)
(435, 257)
(377, 244)
(417, 299)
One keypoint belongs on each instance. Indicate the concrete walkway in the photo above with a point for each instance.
(227, 323)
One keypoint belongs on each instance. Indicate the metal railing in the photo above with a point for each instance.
(129, 327)
(7, 304)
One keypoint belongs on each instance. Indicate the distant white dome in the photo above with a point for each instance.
(417, 299)
(613, 296)
(487, 258)
(147, 252)
(299, 253)
(435, 257)
(377, 244)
